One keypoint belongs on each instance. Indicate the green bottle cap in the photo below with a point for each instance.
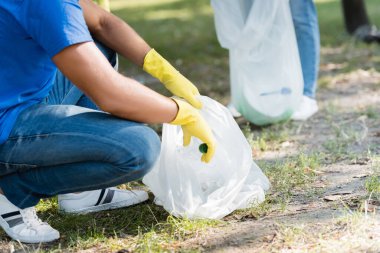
(203, 148)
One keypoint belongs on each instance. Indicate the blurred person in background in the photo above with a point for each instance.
(357, 22)
(306, 26)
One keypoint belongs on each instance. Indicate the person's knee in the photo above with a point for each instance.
(149, 151)
(145, 152)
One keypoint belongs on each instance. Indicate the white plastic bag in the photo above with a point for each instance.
(266, 75)
(186, 187)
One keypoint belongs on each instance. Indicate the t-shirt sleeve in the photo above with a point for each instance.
(54, 24)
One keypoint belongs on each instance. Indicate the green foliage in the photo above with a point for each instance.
(372, 184)
(371, 113)
(268, 138)
(291, 174)
(286, 177)
(163, 236)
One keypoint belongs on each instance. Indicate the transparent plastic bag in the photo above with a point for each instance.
(186, 187)
(265, 69)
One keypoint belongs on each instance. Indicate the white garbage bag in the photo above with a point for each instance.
(265, 70)
(186, 187)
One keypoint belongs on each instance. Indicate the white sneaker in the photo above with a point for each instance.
(307, 108)
(233, 110)
(99, 200)
(23, 224)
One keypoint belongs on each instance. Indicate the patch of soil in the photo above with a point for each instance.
(341, 181)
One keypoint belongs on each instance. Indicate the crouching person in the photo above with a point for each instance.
(70, 125)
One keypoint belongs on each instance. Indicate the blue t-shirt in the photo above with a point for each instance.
(31, 33)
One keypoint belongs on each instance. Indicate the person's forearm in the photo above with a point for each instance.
(121, 96)
(126, 98)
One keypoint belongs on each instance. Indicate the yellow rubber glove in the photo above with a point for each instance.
(175, 82)
(193, 124)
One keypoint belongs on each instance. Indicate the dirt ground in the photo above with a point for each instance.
(346, 133)
(335, 212)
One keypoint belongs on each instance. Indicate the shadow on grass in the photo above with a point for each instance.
(126, 221)
(88, 229)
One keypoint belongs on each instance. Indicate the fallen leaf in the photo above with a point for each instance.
(360, 162)
(269, 238)
(237, 216)
(308, 169)
(302, 209)
(342, 192)
(371, 208)
(286, 144)
(319, 185)
(256, 152)
(361, 176)
(332, 197)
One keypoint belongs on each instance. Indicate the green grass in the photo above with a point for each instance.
(331, 21)
(164, 236)
(289, 177)
(345, 135)
(142, 228)
(267, 138)
(337, 149)
(372, 183)
(371, 113)
(176, 28)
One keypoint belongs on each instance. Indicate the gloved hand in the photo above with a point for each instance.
(193, 124)
(175, 82)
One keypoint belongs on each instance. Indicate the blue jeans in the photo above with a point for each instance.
(66, 145)
(305, 21)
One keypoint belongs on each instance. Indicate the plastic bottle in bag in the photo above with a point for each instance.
(187, 187)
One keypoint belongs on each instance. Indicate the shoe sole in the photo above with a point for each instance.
(296, 118)
(108, 206)
(23, 239)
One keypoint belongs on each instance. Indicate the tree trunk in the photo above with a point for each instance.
(355, 14)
